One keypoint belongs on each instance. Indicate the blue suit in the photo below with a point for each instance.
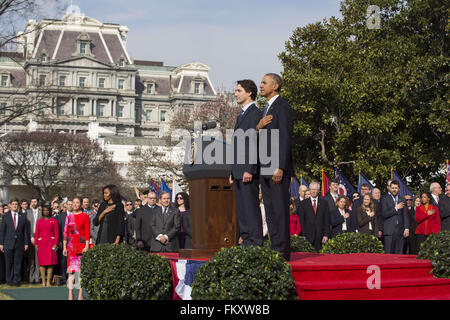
(395, 223)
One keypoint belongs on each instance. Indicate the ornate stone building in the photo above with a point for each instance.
(80, 68)
(78, 77)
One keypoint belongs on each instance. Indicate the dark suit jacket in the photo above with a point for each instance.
(331, 203)
(336, 221)
(363, 222)
(444, 212)
(394, 221)
(186, 223)
(282, 121)
(61, 218)
(143, 225)
(315, 227)
(115, 222)
(14, 239)
(249, 120)
(169, 226)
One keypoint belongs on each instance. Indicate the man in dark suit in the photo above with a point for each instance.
(62, 260)
(332, 195)
(435, 190)
(244, 170)
(14, 241)
(396, 221)
(33, 214)
(276, 167)
(143, 223)
(315, 218)
(444, 209)
(165, 226)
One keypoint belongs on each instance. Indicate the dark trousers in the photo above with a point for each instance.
(248, 213)
(276, 205)
(420, 239)
(2, 267)
(62, 265)
(394, 243)
(412, 244)
(13, 263)
(32, 265)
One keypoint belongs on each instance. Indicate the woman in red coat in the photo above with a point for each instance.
(427, 217)
(294, 220)
(46, 243)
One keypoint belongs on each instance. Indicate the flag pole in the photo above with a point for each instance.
(392, 172)
(448, 177)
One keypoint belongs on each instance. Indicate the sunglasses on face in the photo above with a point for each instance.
(180, 198)
(129, 204)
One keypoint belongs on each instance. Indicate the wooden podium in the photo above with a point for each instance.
(212, 201)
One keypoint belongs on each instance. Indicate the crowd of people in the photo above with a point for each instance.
(402, 223)
(39, 241)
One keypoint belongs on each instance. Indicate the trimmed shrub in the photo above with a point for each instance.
(300, 244)
(353, 242)
(437, 249)
(120, 272)
(245, 273)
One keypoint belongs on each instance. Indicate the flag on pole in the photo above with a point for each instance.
(164, 187)
(303, 181)
(293, 187)
(153, 187)
(404, 190)
(362, 179)
(175, 189)
(325, 183)
(447, 176)
(345, 187)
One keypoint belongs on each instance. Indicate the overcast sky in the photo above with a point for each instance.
(237, 38)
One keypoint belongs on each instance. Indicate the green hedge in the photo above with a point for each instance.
(437, 249)
(353, 242)
(245, 273)
(120, 272)
(300, 244)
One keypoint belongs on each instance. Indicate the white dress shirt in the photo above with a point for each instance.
(271, 101)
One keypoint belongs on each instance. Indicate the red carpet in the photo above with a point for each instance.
(337, 277)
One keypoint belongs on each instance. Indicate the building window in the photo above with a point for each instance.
(121, 62)
(42, 80)
(80, 109)
(62, 81)
(120, 111)
(148, 115)
(83, 48)
(197, 88)
(149, 88)
(2, 108)
(163, 116)
(60, 110)
(121, 82)
(43, 57)
(4, 81)
(101, 83)
(100, 109)
(82, 81)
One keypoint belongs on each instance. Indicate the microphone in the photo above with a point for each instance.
(209, 125)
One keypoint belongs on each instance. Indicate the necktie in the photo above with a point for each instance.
(15, 221)
(265, 109)
(240, 115)
(315, 206)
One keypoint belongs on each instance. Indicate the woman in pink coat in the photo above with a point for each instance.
(46, 243)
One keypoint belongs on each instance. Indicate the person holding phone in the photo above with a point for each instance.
(110, 217)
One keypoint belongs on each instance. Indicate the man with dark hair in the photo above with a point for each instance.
(396, 221)
(14, 241)
(332, 195)
(33, 214)
(444, 209)
(275, 175)
(244, 174)
(85, 206)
